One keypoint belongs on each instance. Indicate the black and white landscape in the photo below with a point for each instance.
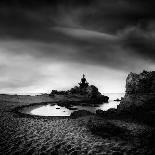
(77, 77)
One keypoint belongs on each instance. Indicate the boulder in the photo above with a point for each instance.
(109, 112)
(66, 104)
(80, 113)
(100, 112)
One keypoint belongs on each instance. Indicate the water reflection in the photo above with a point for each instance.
(48, 110)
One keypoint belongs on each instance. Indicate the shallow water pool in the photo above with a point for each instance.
(55, 110)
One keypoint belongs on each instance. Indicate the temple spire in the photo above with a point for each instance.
(83, 83)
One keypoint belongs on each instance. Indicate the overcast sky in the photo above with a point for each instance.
(47, 45)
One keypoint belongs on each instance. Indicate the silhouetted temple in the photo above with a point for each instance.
(85, 92)
(83, 83)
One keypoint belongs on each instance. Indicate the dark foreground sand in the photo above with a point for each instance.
(26, 135)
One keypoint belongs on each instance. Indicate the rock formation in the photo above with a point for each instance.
(80, 113)
(86, 92)
(140, 92)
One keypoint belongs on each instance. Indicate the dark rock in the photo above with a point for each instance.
(83, 92)
(66, 104)
(55, 92)
(100, 112)
(142, 83)
(106, 129)
(71, 108)
(117, 100)
(90, 94)
(111, 111)
(102, 98)
(80, 113)
(140, 92)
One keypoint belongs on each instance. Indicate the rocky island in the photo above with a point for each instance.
(82, 94)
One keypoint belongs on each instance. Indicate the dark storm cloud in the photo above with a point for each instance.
(141, 42)
(106, 15)
(80, 31)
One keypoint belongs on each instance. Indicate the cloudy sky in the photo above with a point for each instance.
(47, 45)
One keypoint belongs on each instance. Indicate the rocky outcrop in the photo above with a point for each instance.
(143, 83)
(80, 113)
(140, 92)
(84, 92)
(88, 94)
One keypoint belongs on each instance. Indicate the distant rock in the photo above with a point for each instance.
(83, 92)
(140, 92)
(80, 113)
(90, 93)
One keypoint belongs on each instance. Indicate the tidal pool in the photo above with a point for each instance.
(51, 110)
(55, 110)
